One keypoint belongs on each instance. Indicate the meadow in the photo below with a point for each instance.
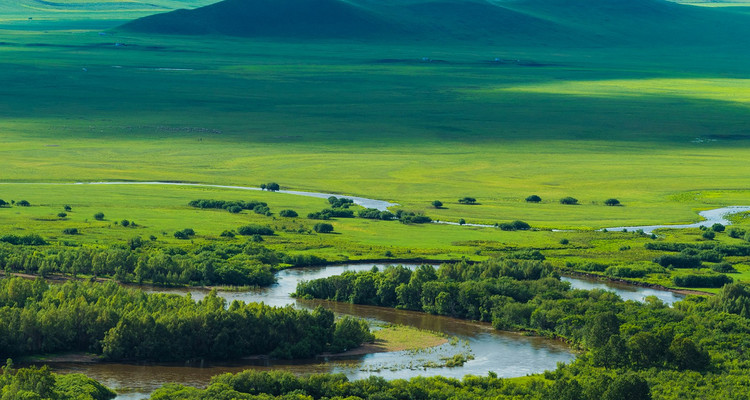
(660, 129)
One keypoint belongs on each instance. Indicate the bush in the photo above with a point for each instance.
(68, 208)
(569, 200)
(23, 203)
(125, 223)
(3, 203)
(340, 202)
(709, 235)
(718, 227)
(184, 234)
(288, 213)
(234, 209)
(702, 281)
(70, 231)
(62, 215)
(461, 221)
(228, 234)
(678, 261)
(437, 203)
(271, 187)
(735, 233)
(564, 241)
(467, 200)
(323, 227)
(249, 230)
(724, 268)
(533, 199)
(99, 216)
(612, 202)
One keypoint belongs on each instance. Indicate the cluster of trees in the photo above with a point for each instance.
(40, 383)
(528, 295)
(145, 262)
(25, 240)
(340, 202)
(374, 213)
(254, 229)
(127, 324)
(288, 213)
(328, 213)
(408, 217)
(271, 186)
(514, 226)
(186, 233)
(277, 385)
(259, 207)
(467, 200)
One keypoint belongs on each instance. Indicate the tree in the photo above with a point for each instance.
(262, 186)
(467, 200)
(569, 200)
(461, 221)
(718, 227)
(23, 203)
(68, 208)
(437, 203)
(612, 202)
(288, 213)
(628, 387)
(709, 235)
(272, 187)
(99, 216)
(70, 231)
(3, 203)
(323, 227)
(533, 199)
(62, 215)
(125, 223)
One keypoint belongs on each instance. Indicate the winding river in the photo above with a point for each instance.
(715, 216)
(507, 354)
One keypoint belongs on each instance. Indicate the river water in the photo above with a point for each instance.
(507, 354)
(715, 216)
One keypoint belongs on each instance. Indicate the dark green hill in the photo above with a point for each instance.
(518, 22)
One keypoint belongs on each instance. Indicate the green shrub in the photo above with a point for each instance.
(569, 200)
(323, 227)
(249, 230)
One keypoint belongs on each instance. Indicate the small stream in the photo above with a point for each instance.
(505, 353)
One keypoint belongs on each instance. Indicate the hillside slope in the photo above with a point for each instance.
(519, 22)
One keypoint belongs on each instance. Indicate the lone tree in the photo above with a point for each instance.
(467, 200)
(68, 208)
(612, 202)
(62, 215)
(99, 216)
(323, 227)
(533, 199)
(437, 203)
(271, 187)
(569, 200)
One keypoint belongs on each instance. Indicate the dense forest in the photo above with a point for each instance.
(126, 324)
(696, 349)
(248, 263)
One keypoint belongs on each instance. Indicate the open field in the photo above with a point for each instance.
(660, 129)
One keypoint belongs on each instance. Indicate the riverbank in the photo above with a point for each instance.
(623, 281)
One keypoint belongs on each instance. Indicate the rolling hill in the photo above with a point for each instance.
(524, 22)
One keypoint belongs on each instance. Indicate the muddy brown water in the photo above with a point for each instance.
(505, 353)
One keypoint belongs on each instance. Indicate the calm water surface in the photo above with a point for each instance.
(507, 354)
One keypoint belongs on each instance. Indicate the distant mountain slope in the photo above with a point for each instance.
(27, 6)
(521, 22)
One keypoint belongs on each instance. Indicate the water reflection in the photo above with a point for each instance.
(507, 354)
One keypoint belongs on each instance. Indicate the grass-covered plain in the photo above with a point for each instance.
(658, 128)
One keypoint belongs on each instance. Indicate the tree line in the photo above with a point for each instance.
(126, 324)
(146, 262)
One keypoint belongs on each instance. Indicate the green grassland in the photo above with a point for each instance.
(663, 129)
